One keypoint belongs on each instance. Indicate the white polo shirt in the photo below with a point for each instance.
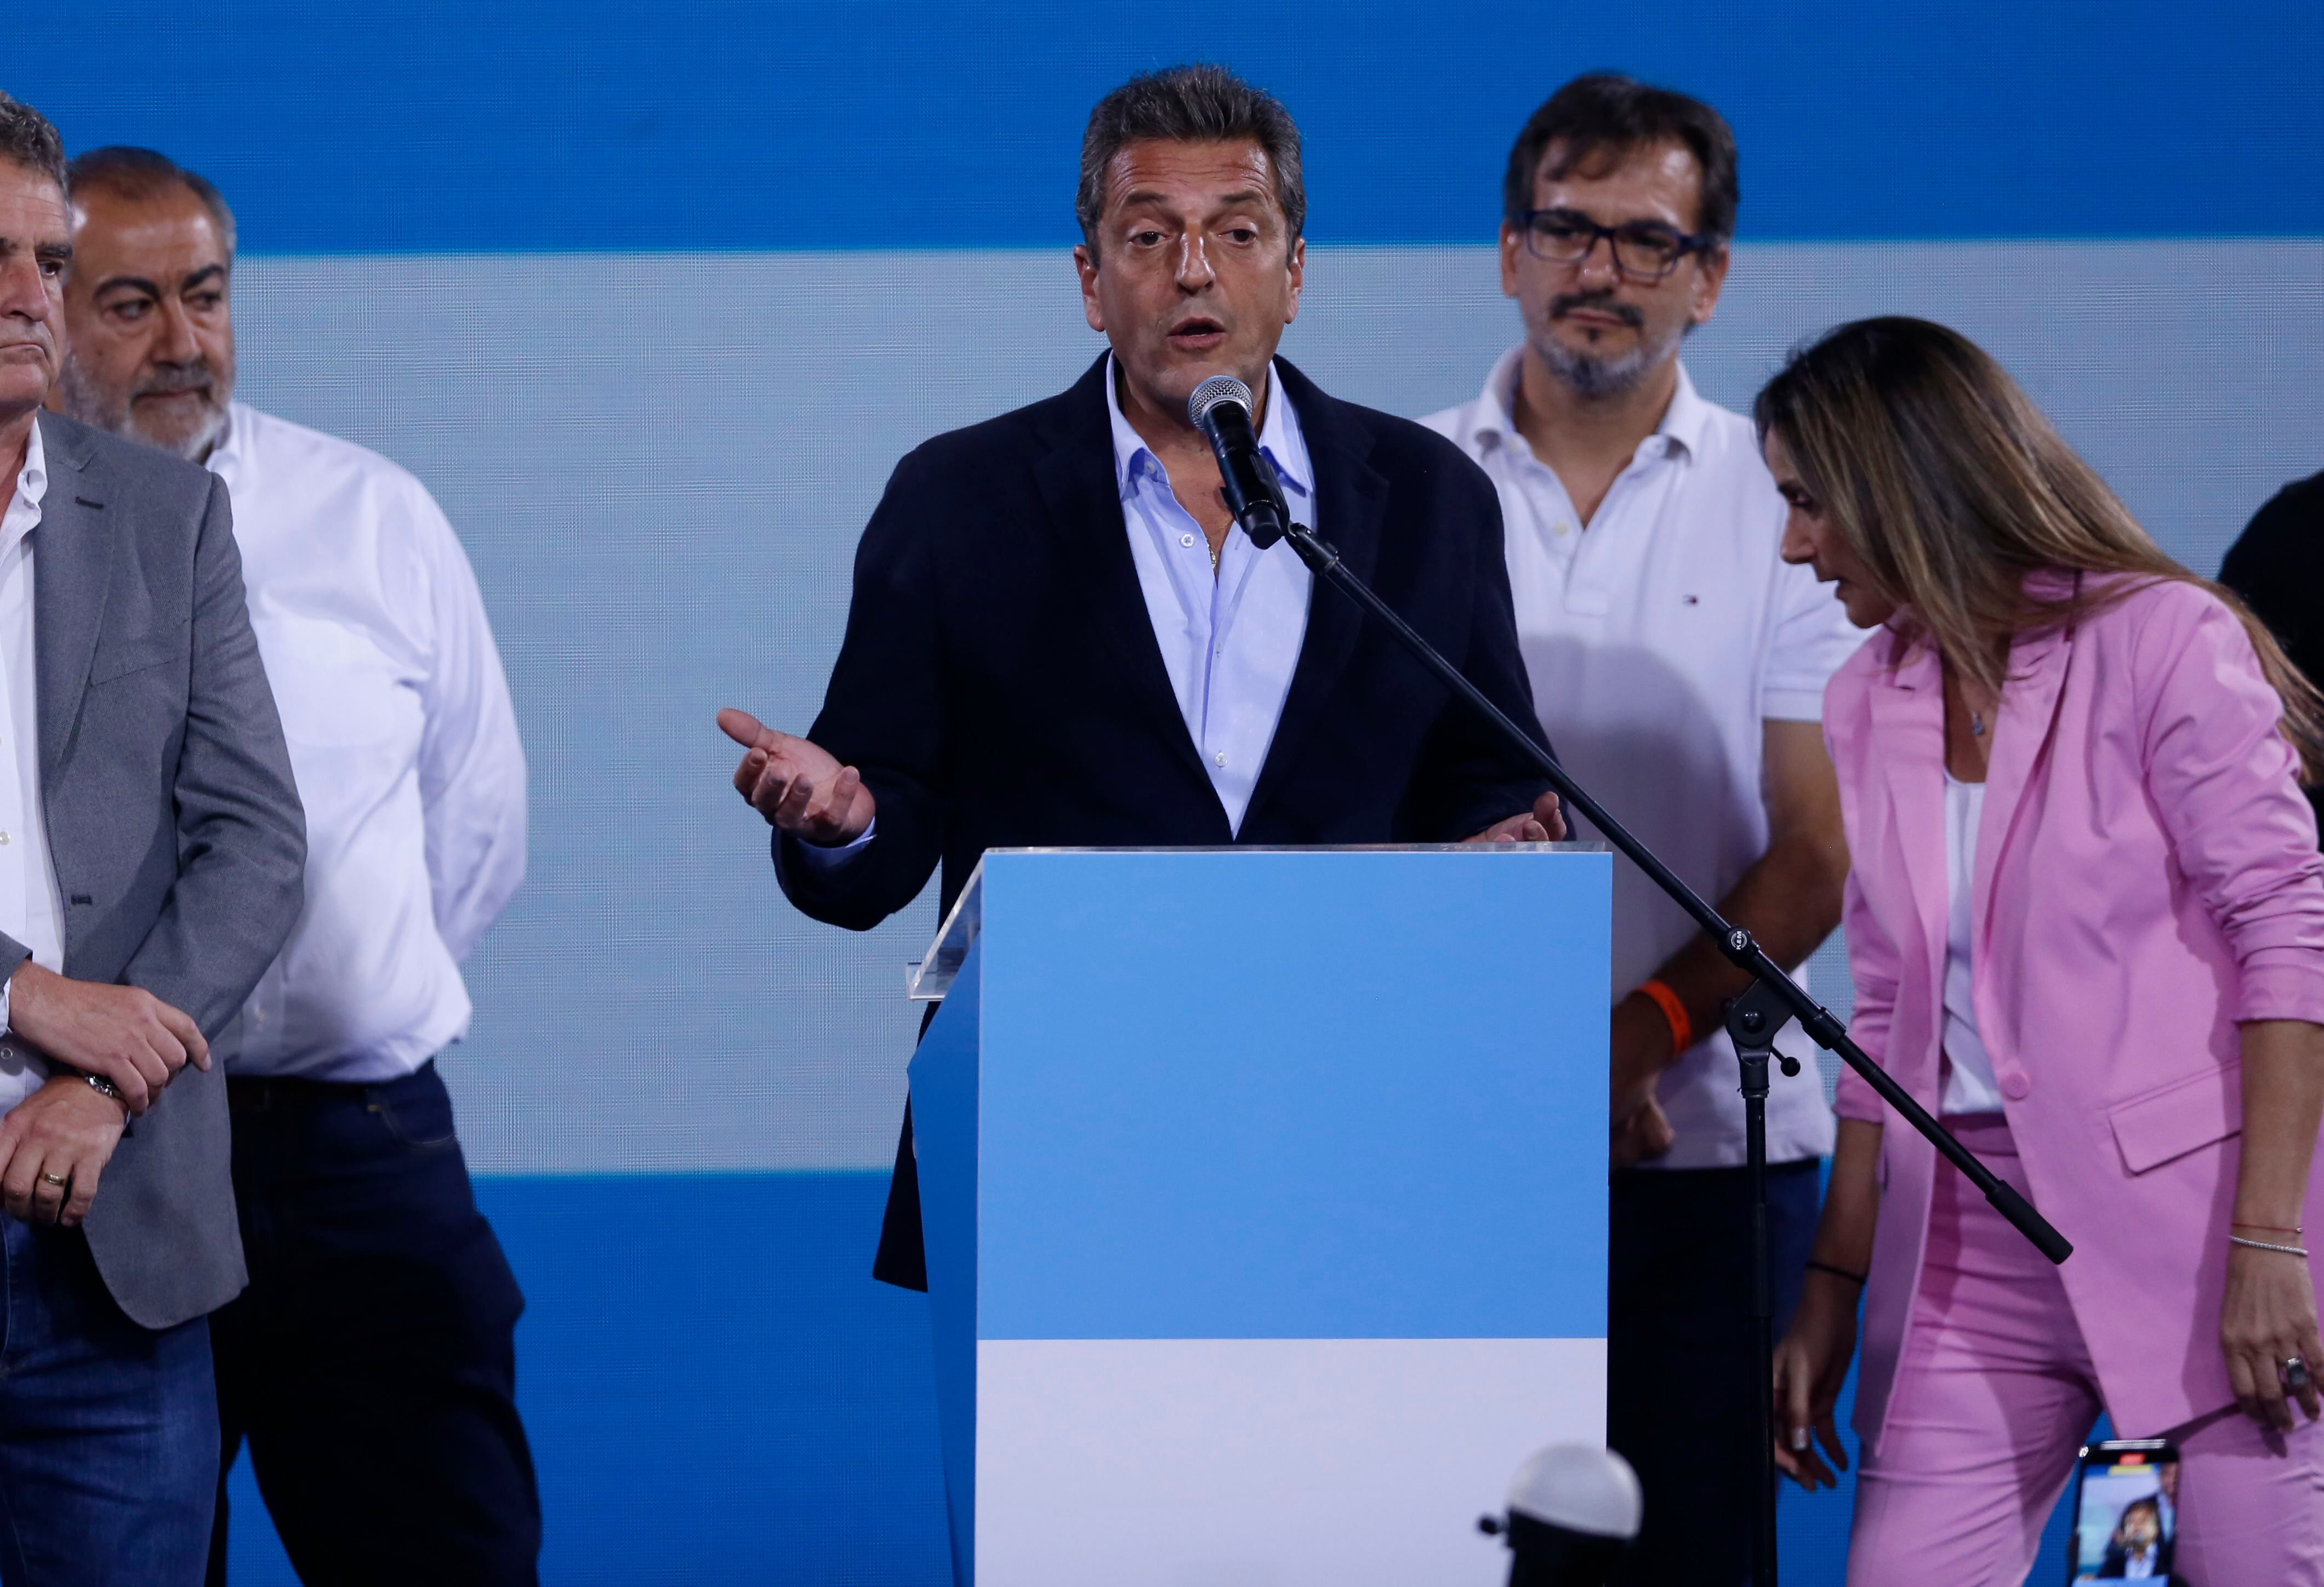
(1658, 642)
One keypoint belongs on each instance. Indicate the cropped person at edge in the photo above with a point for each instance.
(152, 852)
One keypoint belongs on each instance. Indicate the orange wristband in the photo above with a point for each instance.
(1681, 1028)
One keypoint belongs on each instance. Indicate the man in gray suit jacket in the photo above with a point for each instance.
(152, 851)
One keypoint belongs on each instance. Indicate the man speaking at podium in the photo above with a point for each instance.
(1059, 636)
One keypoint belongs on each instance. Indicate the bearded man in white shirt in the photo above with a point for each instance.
(370, 1364)
(1679, 665)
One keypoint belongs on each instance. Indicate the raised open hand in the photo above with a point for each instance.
(797, 787)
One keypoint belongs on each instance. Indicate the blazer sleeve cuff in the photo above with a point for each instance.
(2282, 991)
(1507, 799)
(797, 851)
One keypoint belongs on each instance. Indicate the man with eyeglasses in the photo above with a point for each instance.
(1679, 665)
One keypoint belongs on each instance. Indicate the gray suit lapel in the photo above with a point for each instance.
(72, 567)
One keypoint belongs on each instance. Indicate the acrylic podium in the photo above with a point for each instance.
(1264, 1200)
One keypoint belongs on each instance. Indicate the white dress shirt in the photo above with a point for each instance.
(31, 908)
(1229, 638)
(1658, 642)
(1969, 1087)
(403, 741)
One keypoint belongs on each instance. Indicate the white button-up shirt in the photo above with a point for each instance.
(31, 908)
(1230, 639)
(1658, 642)
(403, 741)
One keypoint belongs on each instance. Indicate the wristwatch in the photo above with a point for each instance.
(104, 1087)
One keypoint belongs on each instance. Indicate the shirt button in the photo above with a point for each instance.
(1220, 757)
(1185, 539)
(3, 840)
(1565, 529)
(2016, 1085)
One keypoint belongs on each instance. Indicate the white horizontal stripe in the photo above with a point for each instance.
(662, 522)
(1254, 1462)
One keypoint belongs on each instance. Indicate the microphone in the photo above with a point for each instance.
(1220, 409)
(1573, 1511)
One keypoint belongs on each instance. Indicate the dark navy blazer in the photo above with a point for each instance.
(999, 684)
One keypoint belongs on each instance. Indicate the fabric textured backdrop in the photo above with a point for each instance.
(654, 300)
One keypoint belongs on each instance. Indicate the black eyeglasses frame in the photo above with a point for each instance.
(1688, 242)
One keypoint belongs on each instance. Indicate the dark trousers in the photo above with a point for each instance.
(372, 1362)
(108, 1431)
(1679, 1368)
(902, 1259)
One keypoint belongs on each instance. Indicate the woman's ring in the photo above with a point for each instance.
(62, 1180)
(2295, 1375)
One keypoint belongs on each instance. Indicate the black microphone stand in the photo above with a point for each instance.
(1772, 1000)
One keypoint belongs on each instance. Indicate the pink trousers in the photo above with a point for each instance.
(1994, 1396)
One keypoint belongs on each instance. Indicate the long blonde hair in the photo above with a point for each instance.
(1951, 488)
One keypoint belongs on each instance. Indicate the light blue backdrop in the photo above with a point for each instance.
(653, 298)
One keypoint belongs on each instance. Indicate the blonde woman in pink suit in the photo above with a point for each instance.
(2087, 925)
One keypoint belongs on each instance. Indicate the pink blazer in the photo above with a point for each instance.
(2147, 876)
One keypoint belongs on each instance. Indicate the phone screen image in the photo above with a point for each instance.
(2125, 1513)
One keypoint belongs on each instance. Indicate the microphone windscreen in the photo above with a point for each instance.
(1579, 1487)
(1212, 392)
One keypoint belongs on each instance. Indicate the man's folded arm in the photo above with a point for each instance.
(242, 834)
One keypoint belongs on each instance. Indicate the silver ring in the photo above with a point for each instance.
(2296, 1376)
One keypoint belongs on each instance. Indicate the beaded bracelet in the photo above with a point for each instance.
(2290, 1250)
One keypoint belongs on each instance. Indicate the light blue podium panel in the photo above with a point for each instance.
(1265, 1199)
